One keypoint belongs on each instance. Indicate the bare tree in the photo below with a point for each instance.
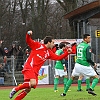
(54, 22)
(39, 18)
(44, 18)
(68, 5)
(6, 20)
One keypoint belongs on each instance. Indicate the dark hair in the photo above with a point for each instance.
(47, 39)
(61, 45)
(85, 36)
(57, 47)
(73, 44)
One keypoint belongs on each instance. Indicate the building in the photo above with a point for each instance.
(86, 19)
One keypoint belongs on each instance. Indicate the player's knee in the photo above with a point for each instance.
(80, 77)
(32, 82)
(57, 76)
(96, 76)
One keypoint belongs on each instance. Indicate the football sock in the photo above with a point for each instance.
(87, 83)
(21, 95)
(79, 84)
(22, 86)
(56, 83)
(68, 85)
(65, 82)
(94, 83)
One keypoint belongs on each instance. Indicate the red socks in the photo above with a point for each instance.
(22, 86)
(21, 95)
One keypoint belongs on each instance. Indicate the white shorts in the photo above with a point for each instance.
(83, 70)
(60, 72)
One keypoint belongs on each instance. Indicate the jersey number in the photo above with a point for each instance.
(79, 52)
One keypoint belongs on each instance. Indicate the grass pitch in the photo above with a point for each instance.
(48, 94)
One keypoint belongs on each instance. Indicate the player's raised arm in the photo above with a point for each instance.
(29, 40)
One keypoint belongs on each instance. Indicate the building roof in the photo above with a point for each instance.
(83, 9)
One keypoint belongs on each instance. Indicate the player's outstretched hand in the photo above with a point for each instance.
(69, 50)
(29, 32)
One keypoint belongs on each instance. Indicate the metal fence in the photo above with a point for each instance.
(16, 77)
(7, 71)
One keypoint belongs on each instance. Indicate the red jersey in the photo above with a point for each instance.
(74, 49)
(38, 55)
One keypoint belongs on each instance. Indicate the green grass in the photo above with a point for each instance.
(49, 94)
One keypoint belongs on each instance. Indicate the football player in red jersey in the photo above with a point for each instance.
(38, 55)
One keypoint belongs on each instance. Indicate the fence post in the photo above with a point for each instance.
(13, 71)
(69, 66)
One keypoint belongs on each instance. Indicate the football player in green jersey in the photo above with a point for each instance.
(60, 69)
(83, 65)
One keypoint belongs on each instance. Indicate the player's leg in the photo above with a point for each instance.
(94, 83)
(29, 84)
(87, 83)
(89, 71)
(20, 87)
(31, 80)
(76, 72)
(22, 94)
(69, 82)
(56, 81)
(65, 81)
(80, 82)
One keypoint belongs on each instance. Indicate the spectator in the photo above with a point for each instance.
(26, 54)
(6, 55)
(2, 70)
(14, 50)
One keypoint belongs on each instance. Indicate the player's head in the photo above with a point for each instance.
(87, 38)
(48, 41)
(62, 46)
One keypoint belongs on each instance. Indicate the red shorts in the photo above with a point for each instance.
(30, 74)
